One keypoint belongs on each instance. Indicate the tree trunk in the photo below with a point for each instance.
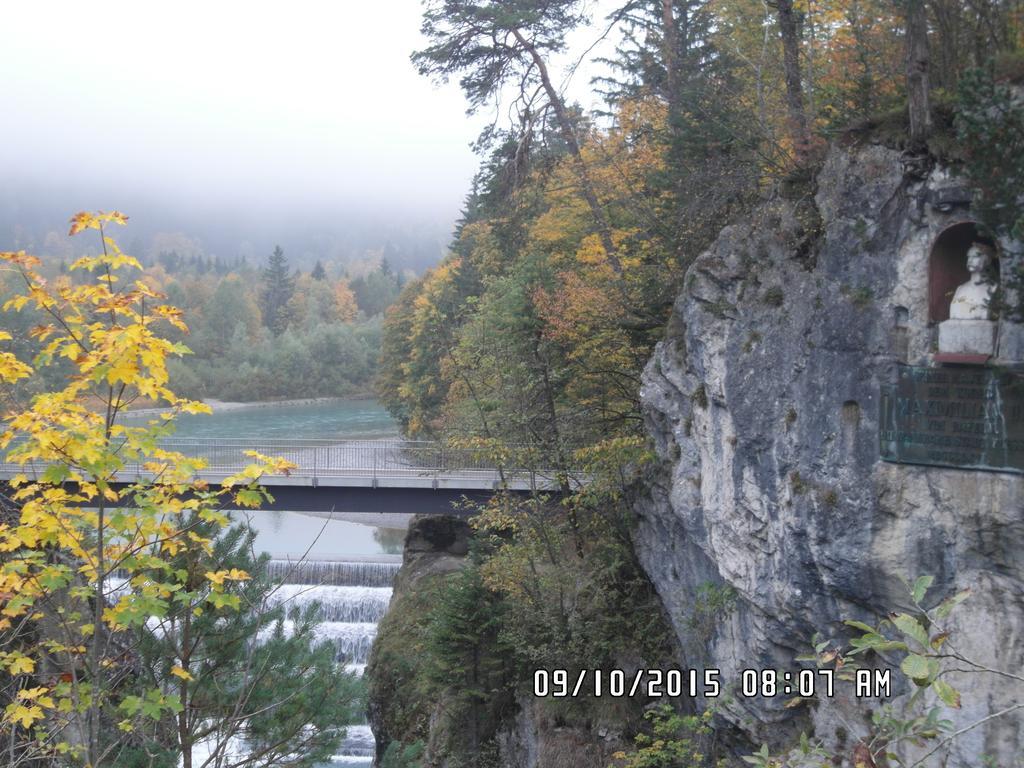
(184, 733)
(917, 73)
(669, 44)
(569, 136)
(798, 130)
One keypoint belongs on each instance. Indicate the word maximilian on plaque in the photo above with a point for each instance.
(971, 418)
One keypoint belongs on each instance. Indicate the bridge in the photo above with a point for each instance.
(352, 475)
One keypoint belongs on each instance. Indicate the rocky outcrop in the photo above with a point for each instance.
(435, 546)
(412, 727)
(763, 403)
(539, 738)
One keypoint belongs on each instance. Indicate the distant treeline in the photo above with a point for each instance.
(260, 332)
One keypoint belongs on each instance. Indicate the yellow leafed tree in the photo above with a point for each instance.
(83, 550)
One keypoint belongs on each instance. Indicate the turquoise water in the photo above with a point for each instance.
(354, 419)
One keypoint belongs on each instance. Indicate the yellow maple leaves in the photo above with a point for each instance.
(75, 528)
(35, 701)
(17, 663)
(23, 715)
(85, 220)
(219, 577)
(11, 368)
(181, 673)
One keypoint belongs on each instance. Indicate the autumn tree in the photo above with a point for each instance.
(80, 520)
(670, 55)
(391, 383)
(859, 67)
(345, 305)
(918, 98)
(790, 32)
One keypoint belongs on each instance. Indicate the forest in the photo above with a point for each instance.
(579, 229)
(260, 331)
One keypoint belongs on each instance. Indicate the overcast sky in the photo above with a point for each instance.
(229, 104)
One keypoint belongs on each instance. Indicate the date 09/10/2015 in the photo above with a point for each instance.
(706, 683)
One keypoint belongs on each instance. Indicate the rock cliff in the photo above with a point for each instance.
(763, 402)
(435, 547)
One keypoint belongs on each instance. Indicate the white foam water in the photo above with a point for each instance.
(349, 604)
(353, 597)
(351, 640)
(337, 573)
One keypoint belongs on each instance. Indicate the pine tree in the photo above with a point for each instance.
(318, 273)
(494, 45)
(470, 657)
(284, 695)
(278, 287)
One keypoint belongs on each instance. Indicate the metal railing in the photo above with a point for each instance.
(324, 458)
(390, 458)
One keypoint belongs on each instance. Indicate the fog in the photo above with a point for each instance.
(237, 124)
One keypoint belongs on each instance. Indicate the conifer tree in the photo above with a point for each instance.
(256, 676)
(318, 273)
(278, 287)
(494, 45)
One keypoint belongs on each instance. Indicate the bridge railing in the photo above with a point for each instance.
(327, 457)
(333, 458)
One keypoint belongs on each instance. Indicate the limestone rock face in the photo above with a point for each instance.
(763, 404)
(434, 545)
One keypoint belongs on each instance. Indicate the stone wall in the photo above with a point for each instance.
(763, 403)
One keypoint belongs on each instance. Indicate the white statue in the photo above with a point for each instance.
(970, 329)
(972, 299)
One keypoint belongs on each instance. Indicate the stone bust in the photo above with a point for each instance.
(972, 299)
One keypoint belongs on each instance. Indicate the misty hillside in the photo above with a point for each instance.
(32, 218)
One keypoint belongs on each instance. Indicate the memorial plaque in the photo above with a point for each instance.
(971, 418)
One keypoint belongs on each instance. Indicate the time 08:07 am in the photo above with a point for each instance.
(707, 683)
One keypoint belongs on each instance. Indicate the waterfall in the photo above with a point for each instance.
(337, 603)
(351, 639)
(336, 573)
(359, 743)
(353, 596)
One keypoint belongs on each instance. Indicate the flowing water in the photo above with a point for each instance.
(353, 596)
(349, 573)
(345, 563)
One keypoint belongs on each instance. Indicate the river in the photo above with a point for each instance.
(363, 419)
